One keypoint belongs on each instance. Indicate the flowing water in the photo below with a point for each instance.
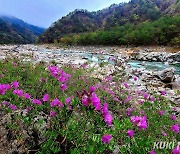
(99, 58)
(154, 66)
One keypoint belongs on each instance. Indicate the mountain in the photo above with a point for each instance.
(13, 20)
(134, 12)
(14, 30)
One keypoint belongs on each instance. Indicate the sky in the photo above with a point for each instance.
(44, 12)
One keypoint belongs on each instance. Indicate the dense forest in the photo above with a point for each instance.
(137, 22)
(16, 31)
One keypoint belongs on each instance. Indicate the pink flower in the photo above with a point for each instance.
(45, 97)
(141, 101)
(55, 103)
(92, 89)
(63, 87)
(106, 138)
(18, 92)
(104, 110)
(85, 100)
(14, 64)
(176, 150)
(163, 92)
(36, 101)
(161, 112)
(52, 113)
(163, 133)
(130, 133)
(95, 101)
(152, 152)
(2, 75)
(108, 119)
(127, 99)
(152, 99)
(97, 106)
(41, 79)
(60, 105)
(28, 109)
(174, 109)
(116, 99)
(135, 78)
(141, 122)
(4, 88)
(84, 65)
(68, 100)
(175, 128)
(126, 85)
(129, 111)
(146, 95)
(27, 96)
(173, 117)
(15, 84)
(142, 112)
(5, 103)
(12, 107)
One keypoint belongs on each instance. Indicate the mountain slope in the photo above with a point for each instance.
(13, 20)
(14, 30)
(136, 11)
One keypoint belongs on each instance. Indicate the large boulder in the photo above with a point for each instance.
(166, 75)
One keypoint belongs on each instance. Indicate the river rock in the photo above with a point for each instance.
(176, 84)
(166, 75)
(175, 57)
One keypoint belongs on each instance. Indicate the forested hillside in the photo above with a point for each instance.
(130, 17)
(16, 31)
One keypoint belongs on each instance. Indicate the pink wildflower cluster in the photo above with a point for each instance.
(36, 101)
(141, 122)
(11, 106)
(175, 128)
(176, 150)
(15, 84)
(18, 92)
(95, 101)
(45, 98)
(106, 138)
(60, 75)
(106, 115)
(130, 133)
(4, 88)
(129, 111)
(56, 102)
(90, 98)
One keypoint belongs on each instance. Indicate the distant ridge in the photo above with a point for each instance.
(16, 31)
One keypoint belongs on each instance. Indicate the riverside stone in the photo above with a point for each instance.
(166, 75)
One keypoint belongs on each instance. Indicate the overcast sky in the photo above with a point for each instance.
(44, 12)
